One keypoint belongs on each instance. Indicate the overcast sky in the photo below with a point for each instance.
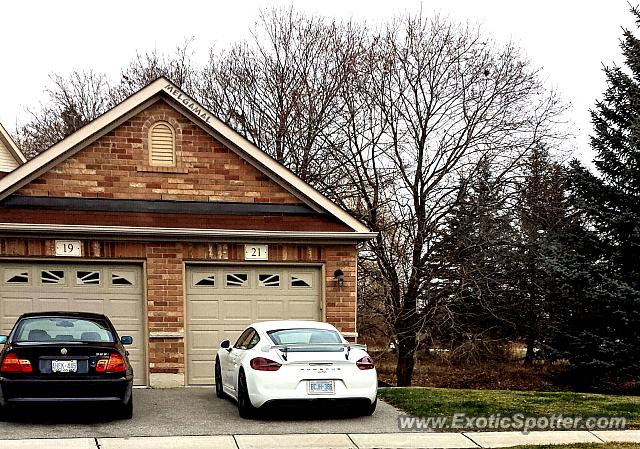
(568, 39)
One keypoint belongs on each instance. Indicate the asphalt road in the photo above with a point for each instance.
(187, 411)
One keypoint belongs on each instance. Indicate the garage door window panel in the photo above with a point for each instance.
(269, 280)
(237, 280)
(88, 277)
(301, 280)
(123, 278)
(16, 276)
(52, 277)
(203, 279)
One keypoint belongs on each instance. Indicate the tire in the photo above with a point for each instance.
(125, 411)
(245, 407)
(218, 376)
(367, 410)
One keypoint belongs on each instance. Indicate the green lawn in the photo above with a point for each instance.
(447, 402)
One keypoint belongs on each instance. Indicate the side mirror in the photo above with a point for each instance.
(3, 339)
(225, 344)
(126, 340)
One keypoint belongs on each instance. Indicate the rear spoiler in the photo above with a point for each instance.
(285, 348)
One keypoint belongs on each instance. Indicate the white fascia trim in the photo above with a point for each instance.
(11, 146)
(178, 233)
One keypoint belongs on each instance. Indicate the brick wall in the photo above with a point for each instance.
(341, 301)
(164, 277)
(116, 166)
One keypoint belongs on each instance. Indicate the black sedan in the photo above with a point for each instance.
(65, 357)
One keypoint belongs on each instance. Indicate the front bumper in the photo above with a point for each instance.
(14, 391)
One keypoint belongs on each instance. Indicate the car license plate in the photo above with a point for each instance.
(321, 387)
(64, 366)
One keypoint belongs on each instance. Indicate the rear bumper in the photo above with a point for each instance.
(303, 404)
(14, 391)
(268, 387)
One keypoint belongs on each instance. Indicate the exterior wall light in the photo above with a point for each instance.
(338, 275)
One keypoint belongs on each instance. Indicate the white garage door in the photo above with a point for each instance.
(222, 301)
(114, 290)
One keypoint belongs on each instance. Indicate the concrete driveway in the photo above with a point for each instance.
(188, 411)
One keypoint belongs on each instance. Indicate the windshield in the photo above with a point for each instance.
(306, 337)
(62, 329)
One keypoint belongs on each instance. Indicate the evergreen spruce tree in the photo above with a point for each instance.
(543, 213)
(599, 263)
(473, 267)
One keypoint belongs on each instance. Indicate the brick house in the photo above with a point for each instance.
(182, 231)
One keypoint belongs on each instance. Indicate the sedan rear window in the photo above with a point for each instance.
(306, 337)
(62, 329)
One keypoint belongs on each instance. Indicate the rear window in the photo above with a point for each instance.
(62, 329)
(306, 337)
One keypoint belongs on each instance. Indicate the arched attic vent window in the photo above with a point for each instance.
(162, 145)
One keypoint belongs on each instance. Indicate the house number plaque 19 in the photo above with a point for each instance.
(69, 248)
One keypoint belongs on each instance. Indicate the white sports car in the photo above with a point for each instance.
(290, 362)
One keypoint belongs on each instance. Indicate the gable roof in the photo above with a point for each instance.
(7, 143)
(163, 88)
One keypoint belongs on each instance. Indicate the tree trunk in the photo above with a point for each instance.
(528, 358)
(406, 361)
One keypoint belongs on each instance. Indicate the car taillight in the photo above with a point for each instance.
(12, 364)
(114, 364)
(101, 366)
(365, 363)
(262, 364)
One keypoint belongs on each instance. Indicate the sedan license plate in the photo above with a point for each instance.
(321, 387)
(64, 366)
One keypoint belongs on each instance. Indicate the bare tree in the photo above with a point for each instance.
(72, 102)
(281, 90)
(145, 68)
(434, 98)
